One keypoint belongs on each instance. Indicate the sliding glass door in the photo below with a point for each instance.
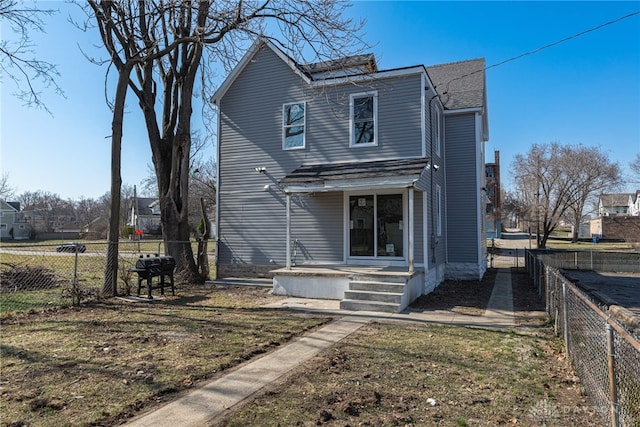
(376, 226)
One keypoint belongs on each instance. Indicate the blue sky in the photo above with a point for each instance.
(583, 91)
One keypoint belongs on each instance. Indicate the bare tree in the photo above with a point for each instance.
(591, 173)
(6, 190)
(166, 44)
(635, 169)
(89, 212)
(204, 181)
(126, 202)
(555, 180)
(17, 54)
(46, 211)
(513, 209)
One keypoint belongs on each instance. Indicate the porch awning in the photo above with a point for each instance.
(356, 175)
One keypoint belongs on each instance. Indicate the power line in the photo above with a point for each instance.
(547, 46)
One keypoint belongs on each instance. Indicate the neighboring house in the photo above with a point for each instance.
(624, 228)
(145, 215)
(493, 192)
(96, 229)
(617, 204)
(343, 181)
(619, 217)
(68, 227)
(13, 226)
(635, 207)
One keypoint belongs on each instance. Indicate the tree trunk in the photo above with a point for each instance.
(576, 229)
(172, 161)
(110, 285)
(203, 258)
(174, 230)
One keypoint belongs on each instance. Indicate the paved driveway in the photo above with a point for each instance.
(621, 289)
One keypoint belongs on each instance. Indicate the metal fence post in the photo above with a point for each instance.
(613, 390)
(75, 270)
(565, 319)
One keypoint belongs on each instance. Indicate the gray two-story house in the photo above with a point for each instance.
(343, 181)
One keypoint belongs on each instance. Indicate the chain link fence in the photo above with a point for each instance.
(621, 262)
(603, 351)
(37, 276)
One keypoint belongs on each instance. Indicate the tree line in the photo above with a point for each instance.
(557, 184)
(47, 212)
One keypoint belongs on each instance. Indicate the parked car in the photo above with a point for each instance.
(71, 247)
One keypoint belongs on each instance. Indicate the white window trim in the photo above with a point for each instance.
(304, 126)
(374, 94)
(375, 259)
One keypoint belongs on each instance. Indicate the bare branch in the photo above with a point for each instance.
(17, 53)
(555, 179)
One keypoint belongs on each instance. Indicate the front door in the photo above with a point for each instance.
(376, 226)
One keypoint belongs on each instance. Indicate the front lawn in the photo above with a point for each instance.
(102, 362)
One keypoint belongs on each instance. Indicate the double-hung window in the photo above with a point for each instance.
(364, 119)
(293, 126)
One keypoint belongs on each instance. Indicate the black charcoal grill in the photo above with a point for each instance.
(150, 267)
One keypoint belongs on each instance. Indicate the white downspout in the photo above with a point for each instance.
(288, 254)
(411, 236)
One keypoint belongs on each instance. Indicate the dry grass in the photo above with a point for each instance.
(386, 374)
(101, 363)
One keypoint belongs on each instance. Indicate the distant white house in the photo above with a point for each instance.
(145, 215)
(635, 208)
(619, 204)
(619, 217)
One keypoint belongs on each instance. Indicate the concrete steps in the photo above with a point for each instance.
(380, 293)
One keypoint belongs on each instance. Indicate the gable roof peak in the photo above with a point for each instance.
(462, 61)
(352, 64)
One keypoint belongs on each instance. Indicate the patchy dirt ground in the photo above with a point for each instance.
(106, 361)
(462, 296)
(408, 375)
(103, 362)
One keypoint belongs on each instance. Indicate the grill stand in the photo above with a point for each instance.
(150, 267)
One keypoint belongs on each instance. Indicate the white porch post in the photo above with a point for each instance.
(288, 254)
(410, 231)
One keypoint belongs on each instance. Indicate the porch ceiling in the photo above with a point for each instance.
(339, 176)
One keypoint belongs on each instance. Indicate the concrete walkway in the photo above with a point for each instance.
(212, 400)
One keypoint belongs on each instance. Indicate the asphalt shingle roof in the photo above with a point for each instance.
(307, 174)
(461, 84)
(619, 199)
(144, 205)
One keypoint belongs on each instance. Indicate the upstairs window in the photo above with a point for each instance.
(293, 124)
(364, 117)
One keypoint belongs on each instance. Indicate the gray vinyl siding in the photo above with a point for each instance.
(399, 128)
(252, 222)
(317, 224)
(461, 174)
(247, 235)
